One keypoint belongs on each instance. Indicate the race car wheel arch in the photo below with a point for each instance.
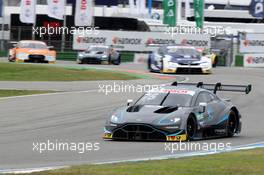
(191, 127)
(117, 61)
(215, 61)
(232, 122)
(149, 62)
(162, 66)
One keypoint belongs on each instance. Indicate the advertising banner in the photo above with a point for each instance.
(27, 11)
(138, 41)
(1, 8)
(84, 13)
(252, 43)
(254, 60)
(257, 8)
(56, 9)
(198, 6)
(169, 10)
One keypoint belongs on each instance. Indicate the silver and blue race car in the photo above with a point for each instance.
(179, 59)
(99, 55)
(178, 112)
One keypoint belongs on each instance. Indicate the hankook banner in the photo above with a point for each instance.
(138, 41)
(254, 60)
(252, 43)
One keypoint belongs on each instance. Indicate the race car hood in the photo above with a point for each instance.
(93, 54)
(149, 114)
(34, 51)
(184, 59)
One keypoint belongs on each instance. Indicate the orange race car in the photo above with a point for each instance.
(32, 51)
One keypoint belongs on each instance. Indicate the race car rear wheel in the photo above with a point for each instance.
(191, 127)
(117, 62)
(232, 124)
(162, 66)
(215, 62)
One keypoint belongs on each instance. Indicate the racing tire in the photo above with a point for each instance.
(80, 62)
(232, 124)
(162, 66)
(10, 59)
(149, 64)
(215, 62)
(191, 127)
(149, 67)
(117, 62)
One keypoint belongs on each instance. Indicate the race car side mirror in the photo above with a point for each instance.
(129, 102)
(51, 47)
(202, 107)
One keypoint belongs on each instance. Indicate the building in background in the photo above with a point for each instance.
(227, 13)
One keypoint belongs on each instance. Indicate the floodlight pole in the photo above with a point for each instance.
(3, 25)
(34, 23)
(93, 18)
(64, 27)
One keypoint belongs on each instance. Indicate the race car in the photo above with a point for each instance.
(99, 55)
(32, 51)
(179, 59)
(209, 54)
(178, 112)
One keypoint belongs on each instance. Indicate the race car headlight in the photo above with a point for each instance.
(22, 55)
(80, 54)
(50, 57)
(115, 119)
(104, 57)
(205, 64)
(170, 121)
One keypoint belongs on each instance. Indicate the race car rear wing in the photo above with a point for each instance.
(218, 87)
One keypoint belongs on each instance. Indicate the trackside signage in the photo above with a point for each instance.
(138, 41)
(254, 60)
(252, 43)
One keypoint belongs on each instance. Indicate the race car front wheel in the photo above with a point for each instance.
(232, 124)
(215, 62)
(117, 61)
(191, 127)
(162, 66)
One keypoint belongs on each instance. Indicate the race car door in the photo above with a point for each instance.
(213, 109)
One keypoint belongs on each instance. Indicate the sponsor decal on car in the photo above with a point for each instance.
(177, 138)
(176, 91)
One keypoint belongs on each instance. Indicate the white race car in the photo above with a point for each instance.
(179, 59)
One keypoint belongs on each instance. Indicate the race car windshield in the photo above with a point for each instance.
(165, 99)
(97, 49)
(183, 51)
(32, 45)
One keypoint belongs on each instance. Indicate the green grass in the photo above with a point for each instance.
(10, 93)
(235, 163)
(31, 72)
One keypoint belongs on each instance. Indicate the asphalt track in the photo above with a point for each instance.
(78, 115)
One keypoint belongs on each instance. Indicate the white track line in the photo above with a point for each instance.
(49, 94)
(69, 92)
